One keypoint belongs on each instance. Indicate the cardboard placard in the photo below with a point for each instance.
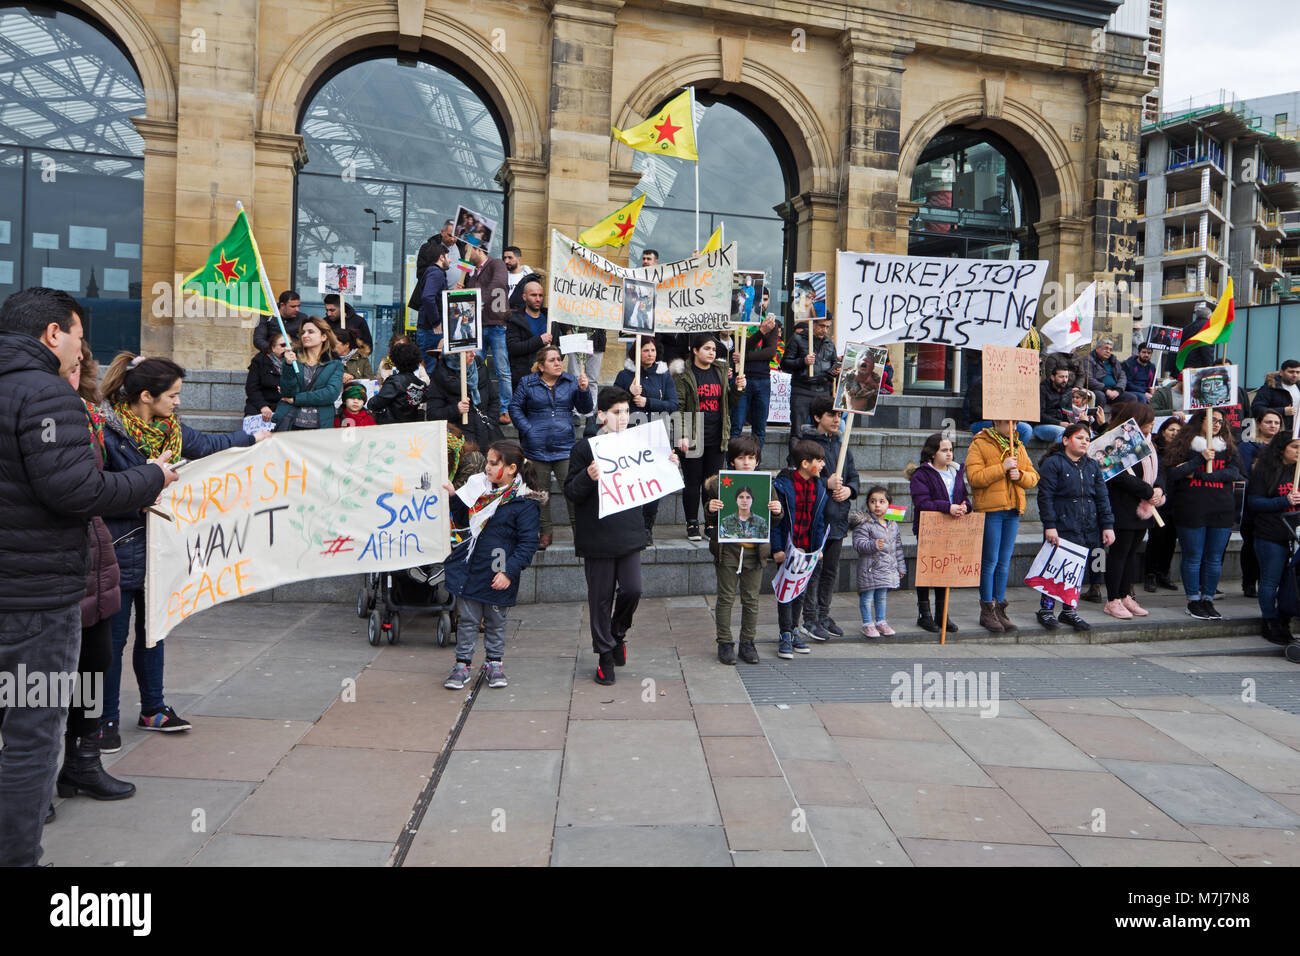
(1010, 377)
(949, 550)
(1214, 386)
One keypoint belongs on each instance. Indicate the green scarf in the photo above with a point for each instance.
(152, 438)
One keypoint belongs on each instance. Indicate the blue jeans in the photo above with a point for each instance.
(873, 601)
(1273, 557)
(1049, 432)
(753, 405)
(1023, 429)
(146, 661)
(1202, 560)
(1000, 529)
(494, 339)
(428, 340)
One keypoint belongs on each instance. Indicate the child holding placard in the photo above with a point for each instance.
(881, 563)
(739, 566)
(803, 498)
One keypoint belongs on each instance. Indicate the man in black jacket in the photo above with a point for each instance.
(1280, 393)
(50, 487)
(288, 304)
(527, 329)
(355, 322)
(812, 373)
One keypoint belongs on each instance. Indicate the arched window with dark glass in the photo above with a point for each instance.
(71, 168)
(411, 141)
(746, 175)
(977, 201)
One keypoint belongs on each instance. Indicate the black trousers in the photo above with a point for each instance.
(1122, 563)
(1160, 549)
(695, 471)
(611, 617)
(92, 664)
(817, 599)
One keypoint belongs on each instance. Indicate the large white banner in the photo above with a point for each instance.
(586, 289)
(303, 504)
(635, 467)
(967, 303)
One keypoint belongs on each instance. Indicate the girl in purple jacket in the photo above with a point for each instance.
(937, 485)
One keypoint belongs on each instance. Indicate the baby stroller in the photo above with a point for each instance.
(386, 595)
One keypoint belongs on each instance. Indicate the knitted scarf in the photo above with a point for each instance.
(152, 438)
(487, 499)
(96, 419)
(454, 445)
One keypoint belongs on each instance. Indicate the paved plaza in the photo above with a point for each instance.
(310, 747)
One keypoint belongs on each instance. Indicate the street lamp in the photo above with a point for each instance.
(378, 221)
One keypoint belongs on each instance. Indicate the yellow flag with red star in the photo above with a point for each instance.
(616, 228)
(669, 132)
(232, 275)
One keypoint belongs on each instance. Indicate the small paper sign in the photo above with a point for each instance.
(1057, 571)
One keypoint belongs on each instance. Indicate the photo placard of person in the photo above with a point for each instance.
(1010, 383)
(638, 307)
(1164, 338)
(691, 295)
(967, 303)
(1119, 449)
(307, 504)
(475, 227)
(337, 278)
(744, 516)
(462, 311)
(862, 371)
(809, 298)
(1214, 386)
(634, 467)
(948, 554)
(746, 295)
(1057, 571)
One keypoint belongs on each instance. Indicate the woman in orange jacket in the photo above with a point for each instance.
(999, 471)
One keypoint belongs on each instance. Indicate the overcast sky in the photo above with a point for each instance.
(1248, 47)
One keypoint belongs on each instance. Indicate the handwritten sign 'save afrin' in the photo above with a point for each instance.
(635, 467)
(691, 295)
(966, 303)
(307, 504)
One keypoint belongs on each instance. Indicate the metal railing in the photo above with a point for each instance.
(1191, 197)
(1181, 156)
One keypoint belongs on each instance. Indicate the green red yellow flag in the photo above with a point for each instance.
(1217, 330)
(232, 275)
(669, 132)
(616, 228)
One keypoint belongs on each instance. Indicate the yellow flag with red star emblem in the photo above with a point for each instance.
(232, 274)
(669, 132)
(616, 228)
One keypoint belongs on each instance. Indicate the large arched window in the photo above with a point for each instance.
(746, 173)
(410, 140)
(977, 201)
(71, 168)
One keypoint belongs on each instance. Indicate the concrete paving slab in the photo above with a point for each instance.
(725, 720)
(1243, 751)
(1075, 802)
(236, 849)
(414, 658)
(340, 793)
(1097, 706)
(709, 682)
(1282, 726)
(797, 733)
(1245, 665)
(1015, 743)
(1209, 795)
(199, 666)
(536, 683)
(825, 783)
(218, 748)
(1106, 851)
(1252, 846)
(666, 846)
(629, 699)
(393, 710)
(879, 720)
(771, 858)
(289, 689)
(520, 844)
(156, 827)
(953, 853)
(557, 641)
(1124, 738)
(739, 757)
(911, 761)
(967, 814)
(1174, 703)
(855, 836)
(759, 813)
(636, 773)
(513, 730)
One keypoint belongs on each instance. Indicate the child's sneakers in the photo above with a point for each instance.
(785, 647)
(800, 647)
(496, 674)
(458, 677)
(885, 629)
(829, 624)
(869, 630)
(820, 632)
(605, 675)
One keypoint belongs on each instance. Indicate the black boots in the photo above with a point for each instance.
(83, 773)
(1274, 632)
(924, 619)
(1150, 586)
(605, 669)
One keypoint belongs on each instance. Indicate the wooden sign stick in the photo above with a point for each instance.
(1160, 522)
(943, 620)
(464, 384)
(844, 446)
(744, 338)
(636, 375)
(1209, 436)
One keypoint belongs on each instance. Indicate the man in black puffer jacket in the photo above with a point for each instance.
(50, 487)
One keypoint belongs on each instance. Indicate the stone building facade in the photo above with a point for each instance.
(857, 90)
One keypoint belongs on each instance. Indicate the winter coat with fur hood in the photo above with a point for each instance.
(877, 567)
(656, 385)
(512, 532)
(1204, 499)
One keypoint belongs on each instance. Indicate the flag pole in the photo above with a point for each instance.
(266, 287)
(695, 134)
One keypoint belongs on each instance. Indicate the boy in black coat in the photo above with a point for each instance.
(610, 547)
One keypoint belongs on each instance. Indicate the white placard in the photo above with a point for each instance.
(126, 250)
(577, 342)
(116, 280)
(795, 573)
(778, 406)
(1057, 571)
(45, 240)
(4, 232)
(94, 238)
(968, 303)
(340, 278)
(634, 467)
(6, 271)
(69, 280)
(381, 257)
